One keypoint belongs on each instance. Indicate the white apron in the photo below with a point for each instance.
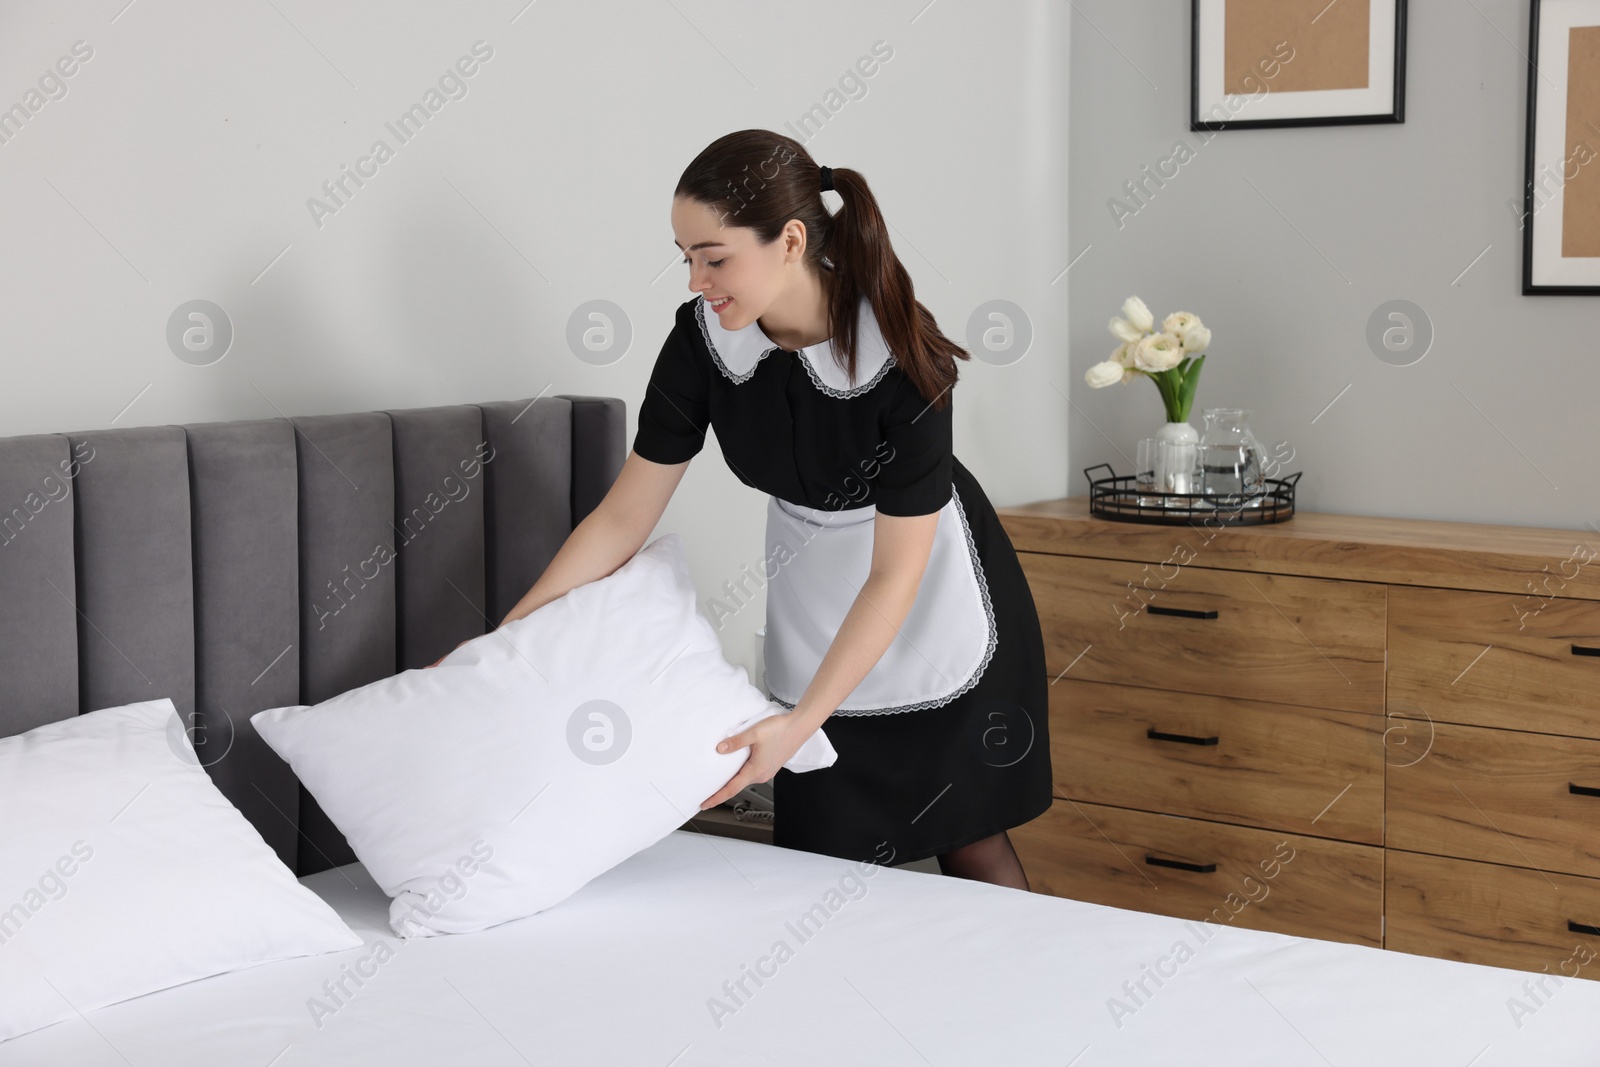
(818, 558)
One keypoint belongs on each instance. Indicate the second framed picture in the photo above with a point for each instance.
(1269, 63)
(1561, 193)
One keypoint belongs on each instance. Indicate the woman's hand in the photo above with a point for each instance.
(772, 742)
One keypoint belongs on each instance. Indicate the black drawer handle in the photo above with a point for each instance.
(1583, 790)
(1179, 865)
(1585, 650)
(1583, 928)
(1156, 735)
(1195, 613)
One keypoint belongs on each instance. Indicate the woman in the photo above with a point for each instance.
(897, 610)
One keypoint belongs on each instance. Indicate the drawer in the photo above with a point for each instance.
(1489, 659)
(1230, 875)
(1525, 800)
(1308, 641)
(1302, 770)
(1500, 916)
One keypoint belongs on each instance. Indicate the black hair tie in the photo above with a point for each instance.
(827, 178)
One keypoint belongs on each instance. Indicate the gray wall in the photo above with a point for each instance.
(1285, 241)
(179, 161)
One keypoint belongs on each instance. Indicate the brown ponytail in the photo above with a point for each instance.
(761, 180)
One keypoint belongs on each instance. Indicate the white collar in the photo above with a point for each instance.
(737, 352)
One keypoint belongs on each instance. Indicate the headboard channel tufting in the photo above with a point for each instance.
(238, 566)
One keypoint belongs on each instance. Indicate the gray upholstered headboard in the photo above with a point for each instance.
(238, 566)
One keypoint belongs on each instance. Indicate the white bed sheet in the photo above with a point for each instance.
(914, 968)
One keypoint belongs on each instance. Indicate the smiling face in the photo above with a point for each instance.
(728, 261)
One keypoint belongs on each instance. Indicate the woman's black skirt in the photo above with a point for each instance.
(913, 784)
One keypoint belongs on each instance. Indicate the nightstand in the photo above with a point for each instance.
(721, 822)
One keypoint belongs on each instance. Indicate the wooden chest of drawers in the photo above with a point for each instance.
(1378, 731)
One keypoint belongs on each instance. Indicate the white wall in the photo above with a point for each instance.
(179, 163)
(1285, 241)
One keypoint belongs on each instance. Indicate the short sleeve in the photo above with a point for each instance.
(674, 414)
(915, 468)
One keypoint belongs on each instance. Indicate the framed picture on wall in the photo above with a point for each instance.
(1561, 190)
(1268, 63)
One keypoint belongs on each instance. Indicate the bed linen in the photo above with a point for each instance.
(644, 966)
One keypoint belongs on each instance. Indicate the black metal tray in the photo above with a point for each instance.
(1119, 498)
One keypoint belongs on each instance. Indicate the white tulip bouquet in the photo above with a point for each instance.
(1171, 358)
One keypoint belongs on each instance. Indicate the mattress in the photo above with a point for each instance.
(703, 950)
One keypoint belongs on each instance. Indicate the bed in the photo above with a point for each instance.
(221, 564)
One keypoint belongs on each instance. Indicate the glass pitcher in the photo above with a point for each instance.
(1230, 455)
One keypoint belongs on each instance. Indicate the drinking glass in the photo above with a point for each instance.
(1145, 474)
(1177, 469)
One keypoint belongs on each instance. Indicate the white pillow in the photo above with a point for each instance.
(124, 870)
(535, 757)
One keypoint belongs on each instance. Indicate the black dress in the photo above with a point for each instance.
(946, 740)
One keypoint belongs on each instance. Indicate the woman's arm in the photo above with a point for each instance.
(901, 545)
(608, 536)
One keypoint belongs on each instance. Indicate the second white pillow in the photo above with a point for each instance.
(535, 757)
